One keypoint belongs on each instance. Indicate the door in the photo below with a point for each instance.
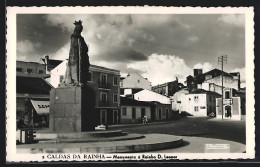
(115, 118)
(103, 117)
(228, 113)
(142, 112)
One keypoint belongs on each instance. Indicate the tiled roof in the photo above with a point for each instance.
(214, 73)
(31, 85)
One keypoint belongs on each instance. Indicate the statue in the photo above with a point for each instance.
(78, 64)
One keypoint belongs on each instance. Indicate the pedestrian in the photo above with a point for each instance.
(144, 119)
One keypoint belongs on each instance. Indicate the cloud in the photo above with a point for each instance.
(193, 38)
(25, 49)
(205, 67)
(237, 20)
(162, 68)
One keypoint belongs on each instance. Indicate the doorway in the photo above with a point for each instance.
(103, 117)
(228, 112)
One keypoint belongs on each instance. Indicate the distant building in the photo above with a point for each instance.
(135, 80)
(30, 69)
(233, 104)
(178, 100)
(212, 80)
(168, 89)
(105, 83)
(32, 99)
(201, 102)
(133, 111)
(50, 64)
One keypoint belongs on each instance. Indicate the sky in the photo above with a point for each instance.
(159, 47)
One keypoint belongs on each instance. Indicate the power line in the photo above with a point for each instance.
(222, 60)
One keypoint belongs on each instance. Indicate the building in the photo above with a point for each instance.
(135, 80)
(105, 84)
(231, 104)
(30, 69)
(32, 99)
(133, 111)
(178, 100)
(201, 102)
(49, 64)
(214, 80)
(162, 105)
(168, 89)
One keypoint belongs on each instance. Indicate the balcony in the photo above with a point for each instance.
(103, 103)
(104, 85)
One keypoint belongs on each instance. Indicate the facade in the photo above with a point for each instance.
(178, 100)
(105, 85)
(135, 80)
(32, 94)
(168, 89)
(30, 69)
(161, 111)
(201, 102)
(231, 105)
(133, 111)
(162, 105)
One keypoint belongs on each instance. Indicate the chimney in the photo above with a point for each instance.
(47, 62)
(197, 72)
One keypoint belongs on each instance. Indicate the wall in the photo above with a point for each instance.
(227, 82)
(136, 81)
(235, 108)
(178, 101)
(201, 104)
(211, 103)
(35, 67)
(128, 117)
(163, 108)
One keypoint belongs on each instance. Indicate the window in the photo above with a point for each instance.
(29, 70)
(115, 81)
(40, 72)
(178, 101)
(123, 111)
(196, 99)
(227, 95)
(89, 76)
(196, 108)
(115, 98)
(138, 81)
(103, 79)
(103, 97)
(133, 113)
(19, 69)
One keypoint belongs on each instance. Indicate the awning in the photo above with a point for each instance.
(41, 107)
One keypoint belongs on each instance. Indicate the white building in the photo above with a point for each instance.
(201, 102)
(179, 100)
(135, 80)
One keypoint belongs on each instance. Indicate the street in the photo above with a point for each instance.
(192, 126)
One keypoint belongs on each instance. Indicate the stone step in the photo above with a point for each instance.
(149, 143)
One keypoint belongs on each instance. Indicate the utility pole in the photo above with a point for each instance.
(222, 60)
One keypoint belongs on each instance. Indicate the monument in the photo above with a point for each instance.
(72, 103)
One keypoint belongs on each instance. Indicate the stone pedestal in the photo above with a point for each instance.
(71, 109)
